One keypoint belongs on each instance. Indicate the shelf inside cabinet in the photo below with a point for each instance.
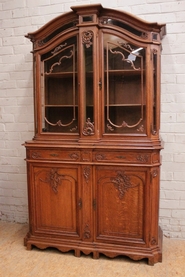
(128, 72)
(58, 106)
(60, 75)
(124, 105)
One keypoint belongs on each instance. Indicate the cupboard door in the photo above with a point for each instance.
(55, 198)
(120, 196)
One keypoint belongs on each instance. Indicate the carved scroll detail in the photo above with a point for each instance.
(124, 124)
(122, 183)
(39, 43)
(74, 156)
(53, 179)
(144, 35)
(59, 123)
(89, 128)
(154, 132)
(86, 38)
(74, 129)
(58, 48)
(87, 232)
(109, 127)
(124, 59)
(100, 157)
(142, 158)
(141, 128)
(86, 173)
(153, 241)
(154, 173)
(59, 62)
(154, 51)
(36, 155)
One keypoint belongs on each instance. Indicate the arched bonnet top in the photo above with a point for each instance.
(90, 15)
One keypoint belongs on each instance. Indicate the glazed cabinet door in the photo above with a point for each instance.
(58, 89)
(121, 200)
(124, 85)
(54, 197)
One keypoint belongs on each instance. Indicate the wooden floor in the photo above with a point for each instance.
(16, 261)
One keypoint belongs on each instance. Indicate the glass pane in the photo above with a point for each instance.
(59, 98)
(125, 26)
(124, 86)
(61, 29)
(89, 83)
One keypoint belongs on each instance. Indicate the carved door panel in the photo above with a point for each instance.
(120, 210)
(55, 200)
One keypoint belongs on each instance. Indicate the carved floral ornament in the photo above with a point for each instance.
(154, 51)
(141, 128)
(86, 173)
(153, 241)
(36, 155)
(142, 158)
(86, 38)
(58, 48)
(144, 35)
(89, 128)
(54, 179)
(74, 156)
(154, 173)
(87, 232)
(100, 157)
(122, 183)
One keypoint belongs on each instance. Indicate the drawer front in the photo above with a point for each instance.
(52, 154)
(122, 157)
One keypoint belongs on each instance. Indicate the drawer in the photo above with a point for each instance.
(54, 154)
(122, 157)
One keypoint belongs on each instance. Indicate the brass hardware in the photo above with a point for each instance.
(54, 155)
(94, 204)
(121, 157)
(100, 84)
(80, 203)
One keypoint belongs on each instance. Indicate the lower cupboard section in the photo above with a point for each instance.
(99, 209)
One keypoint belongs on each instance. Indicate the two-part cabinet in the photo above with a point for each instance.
(93, 165)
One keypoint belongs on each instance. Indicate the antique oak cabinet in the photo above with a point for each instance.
(93, 165)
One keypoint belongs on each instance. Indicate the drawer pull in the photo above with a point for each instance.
(54, 155)
(80, 203)
(121, 157)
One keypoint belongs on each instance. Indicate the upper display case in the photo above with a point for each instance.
(97, 76)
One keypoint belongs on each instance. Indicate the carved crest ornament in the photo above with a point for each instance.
(86, 173)
(87, 38)
(54, 179)
(122, 183)
(89, 128)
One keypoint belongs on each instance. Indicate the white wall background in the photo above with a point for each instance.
(17, 18)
